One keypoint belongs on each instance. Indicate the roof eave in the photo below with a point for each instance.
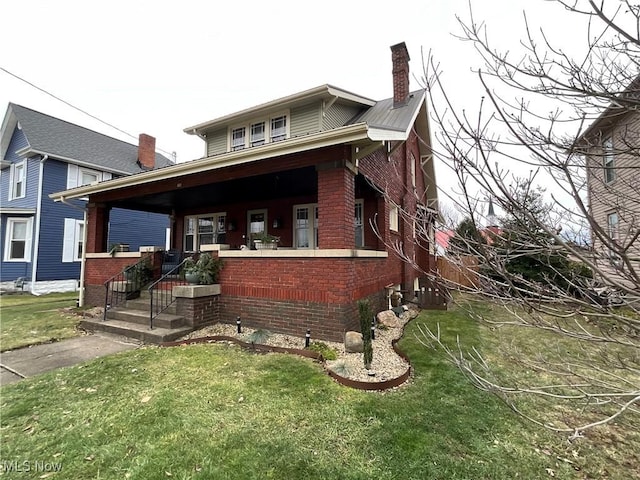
(28, 152)
(351, 133)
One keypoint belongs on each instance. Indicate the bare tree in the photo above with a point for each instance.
(569, 123)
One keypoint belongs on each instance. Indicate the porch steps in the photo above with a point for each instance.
(132, 321)
(135, 331)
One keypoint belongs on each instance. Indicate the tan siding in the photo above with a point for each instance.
(305, 120)
(217, 142)
(337, 115)
(622, 195)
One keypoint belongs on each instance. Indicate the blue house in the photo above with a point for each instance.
(42, 240)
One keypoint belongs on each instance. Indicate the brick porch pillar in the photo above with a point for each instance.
(336, 204)
(97, 227)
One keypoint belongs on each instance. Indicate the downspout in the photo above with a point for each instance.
(84, 250)
(36, 241)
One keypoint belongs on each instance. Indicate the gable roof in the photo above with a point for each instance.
(47, 135)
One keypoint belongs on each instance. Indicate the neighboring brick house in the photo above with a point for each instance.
(316, 169)
(42, 241)
(611, 145)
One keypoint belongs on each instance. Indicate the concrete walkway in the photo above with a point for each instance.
(29, 361)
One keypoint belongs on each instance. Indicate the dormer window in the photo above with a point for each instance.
(238, 138)
(259, 132)
(278, 128)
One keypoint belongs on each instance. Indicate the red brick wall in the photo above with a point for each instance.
(336, 205)
(199, 311)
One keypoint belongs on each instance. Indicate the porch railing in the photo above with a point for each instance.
(161, 291)
(126, 285)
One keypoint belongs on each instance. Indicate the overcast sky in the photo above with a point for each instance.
(160, 66)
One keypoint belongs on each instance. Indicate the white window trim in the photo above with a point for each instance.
(613, 229)
(12, 180)
(394, 222)
(267, 129)
(73, 236)
(9, 234)
(74, 175)
(608, 159)
(312, 228)
(196, 235)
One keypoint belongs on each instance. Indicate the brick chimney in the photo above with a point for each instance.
(400, 59)
(146, 151)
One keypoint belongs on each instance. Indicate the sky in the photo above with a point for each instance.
(158, 67)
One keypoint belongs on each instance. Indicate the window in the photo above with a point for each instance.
(359, 224)
(18, 240)
(237, 138)
(393, 218)
(608, 160)
(413, 171)
(78, 176)
(278, 128)
(17, 177)
(257, 134)
(305, 221)
(612, 225)
(87, 177)
(73, 240)
(204, 230)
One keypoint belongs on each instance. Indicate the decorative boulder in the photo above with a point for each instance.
(409, 314)
(388, 318)
(353, 342)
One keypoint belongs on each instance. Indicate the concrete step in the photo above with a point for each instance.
(135, 331)
(141, 317)
(144, 304)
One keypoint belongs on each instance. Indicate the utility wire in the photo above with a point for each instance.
(74, 107)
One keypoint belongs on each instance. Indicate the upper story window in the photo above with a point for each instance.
(613, 225)
(259, 132)
(608, 160)
(17, 180)
(278, 128)
(238, 138)
(393, 218)
(78, 176)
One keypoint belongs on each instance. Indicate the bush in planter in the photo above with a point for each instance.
(139, 274)
(205, 270)
(265, 240)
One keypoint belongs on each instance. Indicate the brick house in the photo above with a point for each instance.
(318, 169)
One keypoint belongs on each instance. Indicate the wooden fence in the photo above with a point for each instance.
(462, 271)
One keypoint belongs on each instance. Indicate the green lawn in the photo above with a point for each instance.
(27, 319)
(215, 411)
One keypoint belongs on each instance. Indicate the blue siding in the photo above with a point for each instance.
(50, 265)
(18, 141)
(137, 228)
(9, 271)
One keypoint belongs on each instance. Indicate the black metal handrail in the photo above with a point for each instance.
(162, 298)
(126, 284)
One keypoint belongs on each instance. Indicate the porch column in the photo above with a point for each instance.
(97, 227)
(336, 206)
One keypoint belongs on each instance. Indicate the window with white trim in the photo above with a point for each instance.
(608, 160)
(359, 224)
(17, 180)
(78, 176)
(204, 230)
(393, 218)
(18, 240)
(305, 225)
(613, 225)
(259, 131)
(73, 240)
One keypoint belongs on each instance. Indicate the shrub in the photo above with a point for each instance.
(323, 349)
(365, 328)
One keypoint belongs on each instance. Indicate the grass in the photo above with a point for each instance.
(215, 411)
(28, 320)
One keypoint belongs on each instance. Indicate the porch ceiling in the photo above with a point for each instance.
(288, 183)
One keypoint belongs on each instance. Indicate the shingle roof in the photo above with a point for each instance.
(66, 140)
(385, 116)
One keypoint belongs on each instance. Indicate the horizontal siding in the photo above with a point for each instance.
(137, 228)
(217, 142)
(50, 265)
(305, 120)
(622, 195)
(337, 115)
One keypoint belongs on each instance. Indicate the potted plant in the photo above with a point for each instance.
(204, 271)
(264, 241)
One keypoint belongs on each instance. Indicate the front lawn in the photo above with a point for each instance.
(215, 411)
(28, 319)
